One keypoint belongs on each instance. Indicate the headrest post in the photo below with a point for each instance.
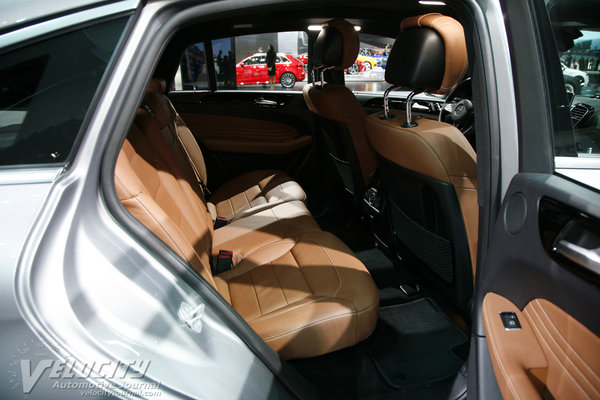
(322, 74)
(409, 122)
(386, 105)
(315, 74)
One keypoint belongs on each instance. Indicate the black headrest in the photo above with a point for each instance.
(337, 45)
(430, 54)
(416, 60)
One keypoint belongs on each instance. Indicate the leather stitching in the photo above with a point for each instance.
(333, 265)
(287, 333)
(300, 270)
(549, 348)
(255, 293)
(566, 342)
(560, 350)
(279, 283)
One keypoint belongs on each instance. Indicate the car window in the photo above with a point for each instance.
(192, 73)
(578, 48)
(367, 74)
(46, 89)
(241, 61)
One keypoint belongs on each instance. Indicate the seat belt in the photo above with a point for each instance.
(193, 153)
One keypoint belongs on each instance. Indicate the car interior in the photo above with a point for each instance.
(341, 226)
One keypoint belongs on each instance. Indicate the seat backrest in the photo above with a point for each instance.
(174, 127)
(341, 116)
(429, 170)
(156, 186)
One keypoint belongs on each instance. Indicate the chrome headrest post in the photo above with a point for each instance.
(409, 122)
(386, 106)
(315, 74)
(318, 72)
(322, 74)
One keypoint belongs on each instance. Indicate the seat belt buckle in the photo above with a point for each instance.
(220, 222)
(224, 261)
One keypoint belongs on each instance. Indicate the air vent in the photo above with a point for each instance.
(580, 113)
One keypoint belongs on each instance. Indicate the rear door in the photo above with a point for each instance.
(536, 315)
(241, 124)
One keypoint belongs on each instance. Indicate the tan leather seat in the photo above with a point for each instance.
(245, 195)
(299, 288)
(429, 171)
(341, 117)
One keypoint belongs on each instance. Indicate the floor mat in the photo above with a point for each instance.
(413, 344)
(380, 267)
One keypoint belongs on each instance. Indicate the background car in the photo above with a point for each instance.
(378, 54)
(252, 70)
(358, 66)
(370, 62)
(574, 79)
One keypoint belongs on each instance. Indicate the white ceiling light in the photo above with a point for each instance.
(432, 3)
(319, 27)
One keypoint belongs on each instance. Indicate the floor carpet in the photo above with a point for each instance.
(414, 344)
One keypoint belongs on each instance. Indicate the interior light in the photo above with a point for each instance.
(432, 3)
(357, 28)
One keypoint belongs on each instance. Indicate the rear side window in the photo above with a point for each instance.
(192, 73)
(241, 61)
(46, 89)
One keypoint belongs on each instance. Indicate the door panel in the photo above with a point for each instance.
(241, 131)
(557, 350)
(551, 352)
(245, 135)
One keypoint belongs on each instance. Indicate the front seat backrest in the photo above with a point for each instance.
(340, 115)
(428, 167)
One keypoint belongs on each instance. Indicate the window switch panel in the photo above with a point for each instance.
(510, 321)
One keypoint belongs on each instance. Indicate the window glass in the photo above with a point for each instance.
(241, 61)
(577, 39)
(367, 74)
(46, 89)
(192, 73)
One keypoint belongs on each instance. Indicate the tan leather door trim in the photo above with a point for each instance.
(552, 352)
(514, 352)
(245, 135)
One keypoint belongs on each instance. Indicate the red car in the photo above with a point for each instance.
(358, 66)
(303, 58)
(253, 70)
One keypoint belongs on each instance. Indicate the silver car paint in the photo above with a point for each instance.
(92, 294)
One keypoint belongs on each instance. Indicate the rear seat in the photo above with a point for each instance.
(242, 196)
(301, 289)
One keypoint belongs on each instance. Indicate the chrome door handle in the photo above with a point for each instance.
(261, 101)
(581, 245)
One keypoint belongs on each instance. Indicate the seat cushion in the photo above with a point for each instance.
(245, 235)
(304, 296)
(253, 192)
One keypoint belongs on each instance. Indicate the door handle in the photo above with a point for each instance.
(581, 245)
(261, 101)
